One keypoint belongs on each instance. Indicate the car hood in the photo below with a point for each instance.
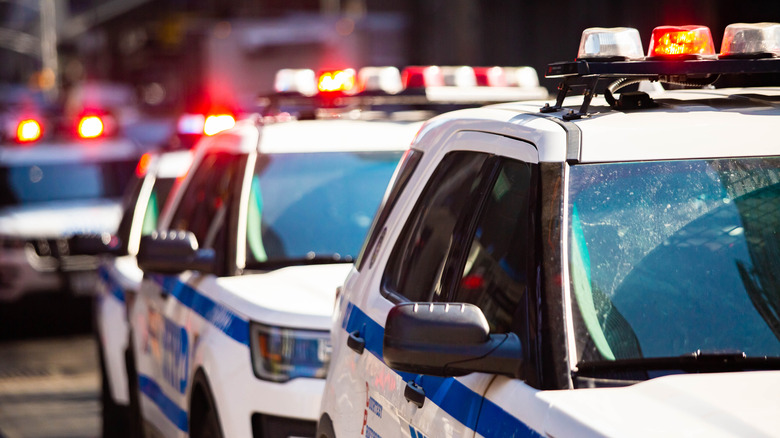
(296, 296)
(692, 405)
(58, 219)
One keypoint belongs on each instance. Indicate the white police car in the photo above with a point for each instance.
(51, 187)
(602, 267)
(118, 273)
(230, 329)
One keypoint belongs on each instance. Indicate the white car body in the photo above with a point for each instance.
(192, 335)
(118, 275)
(364, 396)
(50, 220)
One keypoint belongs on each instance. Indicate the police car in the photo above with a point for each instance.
(59, 178)
(596, 266)
(119, 274)
(230, 328)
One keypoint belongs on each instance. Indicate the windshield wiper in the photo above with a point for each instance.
(309, 259)
(696, 362)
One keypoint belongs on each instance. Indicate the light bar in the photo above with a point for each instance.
(609, 43)
(191, 124)
(28, 131)
(216, 123)
(422, 76)
(90, 127)
(491, 76)
(682, 42)
(387, 79)
(459, 76)
(300, 80)
(337, 81)
(751, 40)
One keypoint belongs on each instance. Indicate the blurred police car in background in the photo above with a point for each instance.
(60, 174)
(155, 177)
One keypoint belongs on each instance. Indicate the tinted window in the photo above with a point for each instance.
(500, 265)
(417, 262)
(34, 183)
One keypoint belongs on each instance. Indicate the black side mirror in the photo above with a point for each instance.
(94, 244)
(447, 339)
(173, 252)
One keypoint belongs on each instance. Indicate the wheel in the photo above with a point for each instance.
(207, 426)
(204, 419)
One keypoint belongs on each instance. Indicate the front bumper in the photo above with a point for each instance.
(40, 265)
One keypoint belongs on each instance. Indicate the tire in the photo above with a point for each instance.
(207, 426)
(204, 419)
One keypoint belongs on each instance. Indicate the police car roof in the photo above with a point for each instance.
(706, 123)
(173, 164)
(337, 135)
(92, 150)
(308, 136)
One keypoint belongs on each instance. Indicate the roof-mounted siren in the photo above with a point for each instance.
(681, 43)
(422, 76)
(459, 76)
(379, 80)
(337, 82)
(610, 44)
(751, 41)
(296, 80)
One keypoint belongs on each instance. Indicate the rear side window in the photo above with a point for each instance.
(418, 259)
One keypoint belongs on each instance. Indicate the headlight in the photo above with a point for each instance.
(280, 354)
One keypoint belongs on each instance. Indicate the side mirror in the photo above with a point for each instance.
(447, 339)
(94, 244)
(173, 252)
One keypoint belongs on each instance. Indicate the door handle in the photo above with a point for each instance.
(414, 393)
(356, 342)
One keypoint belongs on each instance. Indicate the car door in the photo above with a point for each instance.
(428, 259)
(165, 349)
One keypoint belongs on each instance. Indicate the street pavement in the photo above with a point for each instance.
(50, 379)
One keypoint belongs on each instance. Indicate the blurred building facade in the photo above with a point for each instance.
(172, 49)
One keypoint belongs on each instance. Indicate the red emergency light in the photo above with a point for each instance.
(28, 131)
(90, 126)
(681, 42)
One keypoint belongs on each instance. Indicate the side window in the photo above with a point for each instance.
(500, 265)
(160, 191)
(416, 264)
(207, 199)
(406, 167)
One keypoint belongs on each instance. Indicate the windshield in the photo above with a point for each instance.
(35, 183)
(314, 206)
(670, 258)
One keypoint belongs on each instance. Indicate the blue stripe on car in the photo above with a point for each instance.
(113, 286)
(447, 393)
(218, 315)
(174, 413)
